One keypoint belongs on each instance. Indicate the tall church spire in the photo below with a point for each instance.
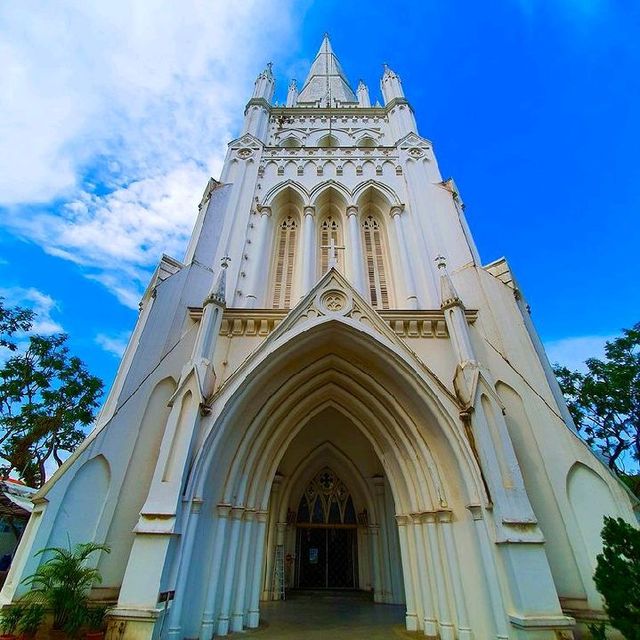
(326, 81)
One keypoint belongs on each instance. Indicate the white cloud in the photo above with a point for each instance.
(43, 305)
(117, 114)
(113, 344)
(572, 352)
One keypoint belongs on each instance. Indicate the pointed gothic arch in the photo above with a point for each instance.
(330, 205)
(332, 186)
(374, 204)
(328, 140)
(276, 193)
(287, 204)
(238, 461)
(327, 454)
(366, 191)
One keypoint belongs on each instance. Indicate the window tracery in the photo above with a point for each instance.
(375, 263)
(330, 231)
(326, 500)
(285, 262)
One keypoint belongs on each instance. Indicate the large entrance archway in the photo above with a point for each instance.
(342, 396)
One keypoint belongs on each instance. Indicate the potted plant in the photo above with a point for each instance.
(62, 583)
(9, 620)
(95, 621)
(30, 620)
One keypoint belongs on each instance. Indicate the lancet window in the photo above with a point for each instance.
(330, 238)
(285, 263)
(375, 262)
(326, 500)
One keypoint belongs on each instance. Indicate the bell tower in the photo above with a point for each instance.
(340, 181)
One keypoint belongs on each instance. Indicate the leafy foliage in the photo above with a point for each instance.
(95, 617)
(10, 618)
(46, 397)
(617, 576)
(12, 321)
(62, 583)
(31, 618)
(605, 403)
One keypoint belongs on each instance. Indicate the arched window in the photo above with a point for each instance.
(328, 141)
(326, 500)
(285, 260)
(367, 142)
(330, 231)
(291, 142)
(375, 263)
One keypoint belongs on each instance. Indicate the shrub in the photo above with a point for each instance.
(617, 576)
(62, 583)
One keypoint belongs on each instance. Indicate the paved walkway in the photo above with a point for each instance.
(330, 616)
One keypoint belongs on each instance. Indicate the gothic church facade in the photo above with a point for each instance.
(331, 391)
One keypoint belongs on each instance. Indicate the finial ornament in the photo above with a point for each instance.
(293, 84)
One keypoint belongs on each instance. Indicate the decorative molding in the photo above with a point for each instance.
(239, 322)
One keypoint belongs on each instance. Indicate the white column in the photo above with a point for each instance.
(237, 618)
(274, 504)
(376, 553)
(309, 250)
(408, 279)
(425, 574)
(184, 562)
(384, 543)
(208, 617)
(411, 617)
(356, 262)
(253, 618)
(257, 262)
(445, 526)
(445, 626)
(229, 570)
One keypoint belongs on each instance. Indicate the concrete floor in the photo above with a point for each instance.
(329, 615)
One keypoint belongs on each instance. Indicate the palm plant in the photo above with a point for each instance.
(62, 583)
(10, 618)
(31, 620)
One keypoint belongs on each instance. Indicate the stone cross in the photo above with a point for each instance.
(333, 256)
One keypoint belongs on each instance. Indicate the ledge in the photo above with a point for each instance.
(429, 323)
(541, 622)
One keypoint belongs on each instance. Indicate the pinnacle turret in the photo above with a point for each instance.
(292, 94)
(265, 84)
(391, 85)
(363, 95)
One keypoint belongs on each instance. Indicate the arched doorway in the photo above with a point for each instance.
(326, 535)
(346, 390)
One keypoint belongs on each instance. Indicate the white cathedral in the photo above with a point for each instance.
(332, 391)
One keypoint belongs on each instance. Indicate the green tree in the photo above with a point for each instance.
(47, 397)
(617, 577)
(12, 321)
(605, 403)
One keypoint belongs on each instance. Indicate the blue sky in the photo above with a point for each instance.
(118, 112)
